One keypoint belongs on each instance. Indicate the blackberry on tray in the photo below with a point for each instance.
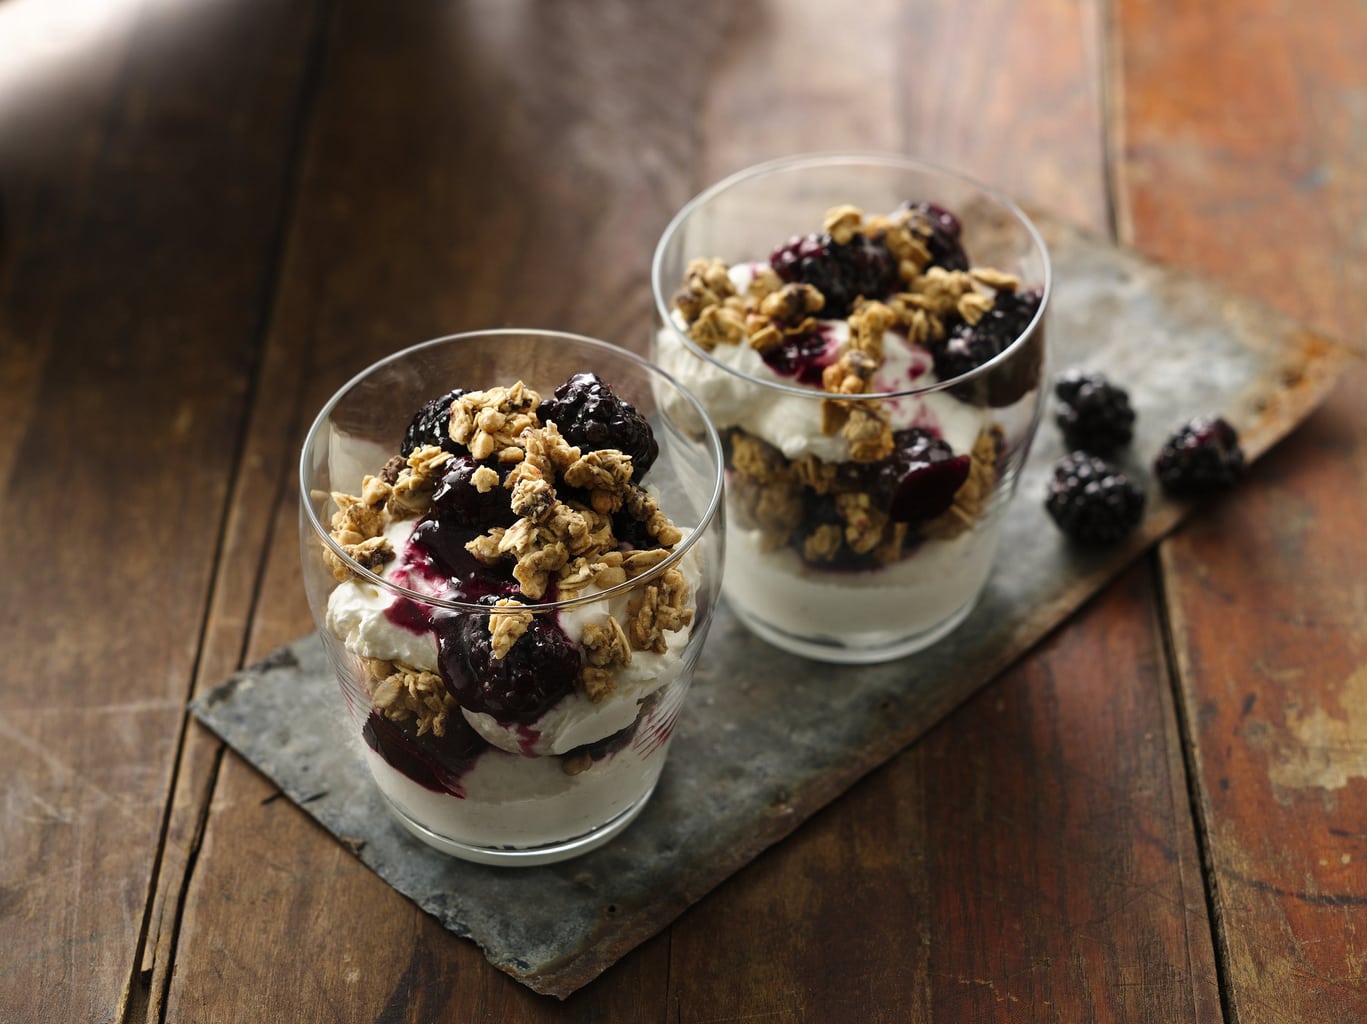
(1093, 414)
(1092, 501)
(1202, 457)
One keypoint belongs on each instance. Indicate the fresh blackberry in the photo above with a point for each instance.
(535, 674)
(970, 345)
(1203, 456)
(841, 273)
(1092, 501)
(431, 425)
(1094, 414)
(591, 416)
(940, 230)
(919, 479)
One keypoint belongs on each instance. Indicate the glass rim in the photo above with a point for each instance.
(674, 557)
(834, 159)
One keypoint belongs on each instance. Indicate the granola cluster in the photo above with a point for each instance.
(925, 302)
(563, 538)
(828, 513)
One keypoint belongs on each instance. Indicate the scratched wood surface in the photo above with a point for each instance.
(214, 214)
(1259, 178)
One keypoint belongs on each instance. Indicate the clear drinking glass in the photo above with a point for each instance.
(871, 452)
(532, 729)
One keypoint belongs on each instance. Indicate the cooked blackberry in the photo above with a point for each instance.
(1203, 456)
(458, 515)
(842, 273)
(1094, 414)
(919, 479)
(940, 230)
(591, 416)
(803, 356)
(631, 532)
(1092, 501)
(968, 346)
(433, 762)
(431, 425)
(536, 672)
(458, 502)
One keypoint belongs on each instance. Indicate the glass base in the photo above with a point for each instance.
(549, 853)
(851, 652)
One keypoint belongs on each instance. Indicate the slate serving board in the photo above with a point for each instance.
(767, 738)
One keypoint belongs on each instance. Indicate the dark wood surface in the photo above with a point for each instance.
(211, 214)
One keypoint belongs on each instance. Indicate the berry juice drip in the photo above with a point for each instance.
(434, 762)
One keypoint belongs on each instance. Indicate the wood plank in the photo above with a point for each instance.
(136, 217)
(1243, 156)
(1029, 859)
(1079, 894)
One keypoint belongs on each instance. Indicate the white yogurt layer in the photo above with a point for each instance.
(507, 800)
(519, 801)
(515, 794)
(871, 608)
(356, 614)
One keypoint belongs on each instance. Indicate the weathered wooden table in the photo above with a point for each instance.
(211, 214)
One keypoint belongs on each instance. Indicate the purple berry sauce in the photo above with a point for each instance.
(804, 356)
(434, 762)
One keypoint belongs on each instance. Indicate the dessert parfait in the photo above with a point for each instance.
(876, 384)
(512, 609)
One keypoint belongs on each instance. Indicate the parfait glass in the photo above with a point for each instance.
(514, 707)
(873, 433)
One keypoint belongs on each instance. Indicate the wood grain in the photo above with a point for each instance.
(137, 215)
(335, 315)
(1251, 171)
(212, 215)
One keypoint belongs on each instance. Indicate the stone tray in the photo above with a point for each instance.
(767, 738)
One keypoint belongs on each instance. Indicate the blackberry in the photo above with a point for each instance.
(1094, 414)
(803, 356)
(632, 532)
(919, 479)
(591, 416)
(459, 514)
(970, 345)
(457, 502)
(534, 675)
(841, 273)
(1203, 456)
(431, 425)
(940, 230)
(1092, 501)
